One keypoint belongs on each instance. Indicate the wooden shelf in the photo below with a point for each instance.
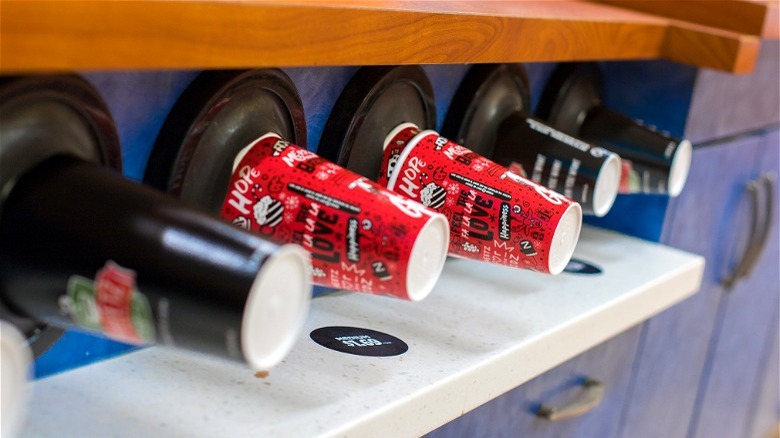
(42, 36)
(752, 17)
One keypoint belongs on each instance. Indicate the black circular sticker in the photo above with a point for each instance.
(577, 266)
(359, 341)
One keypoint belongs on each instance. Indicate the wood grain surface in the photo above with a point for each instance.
(753, 17)
(168, 34)
(709, 47)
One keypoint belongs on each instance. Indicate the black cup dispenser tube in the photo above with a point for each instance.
(217, 116)
(376, 100)
(80, 245)
(654, 161)
(490, 113)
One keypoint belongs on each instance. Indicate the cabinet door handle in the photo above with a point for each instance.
(759, 231)
(590, 397)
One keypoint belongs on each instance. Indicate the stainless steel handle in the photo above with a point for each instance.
(759, 230)
(590, 397)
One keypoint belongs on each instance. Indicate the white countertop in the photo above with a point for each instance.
(484, 330)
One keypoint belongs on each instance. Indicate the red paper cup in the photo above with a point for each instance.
(495, 215)
(361, 236)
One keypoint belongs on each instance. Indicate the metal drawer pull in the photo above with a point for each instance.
(761, 238)
(759, 231)
(590, 397)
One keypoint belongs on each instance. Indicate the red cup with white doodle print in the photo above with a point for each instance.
(361, 236)
(495, 215)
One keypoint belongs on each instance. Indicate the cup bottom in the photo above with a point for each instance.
(565, 239)
(276, 307)
(681, 164)
(426, 260)
(607, 184)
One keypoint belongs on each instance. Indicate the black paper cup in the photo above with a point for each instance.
(654, 162)
(82, 246)
(659, 161)
(581, 171)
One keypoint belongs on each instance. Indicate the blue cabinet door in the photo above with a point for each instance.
(706, 220)
(765, 408)
(513, 414)
(725, 104)
(766, 413)
(739, 347)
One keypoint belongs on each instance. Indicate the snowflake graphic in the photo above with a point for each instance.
(292, 202)
(330, 168)
(450, 201)
(317, 272)
(289, 217)
(459, 150)
(300, 154)
(453, 189)
(470, 247)
(322, 175)
(479, 165)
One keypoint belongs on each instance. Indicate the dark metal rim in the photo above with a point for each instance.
(471, 93)
(39, 335)
(357, 99)
(77, 96)
(190, 115)
(560, 101)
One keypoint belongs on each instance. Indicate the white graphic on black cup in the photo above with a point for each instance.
(433, 196)
(659, 161)
(581, 171)
(268, 211)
